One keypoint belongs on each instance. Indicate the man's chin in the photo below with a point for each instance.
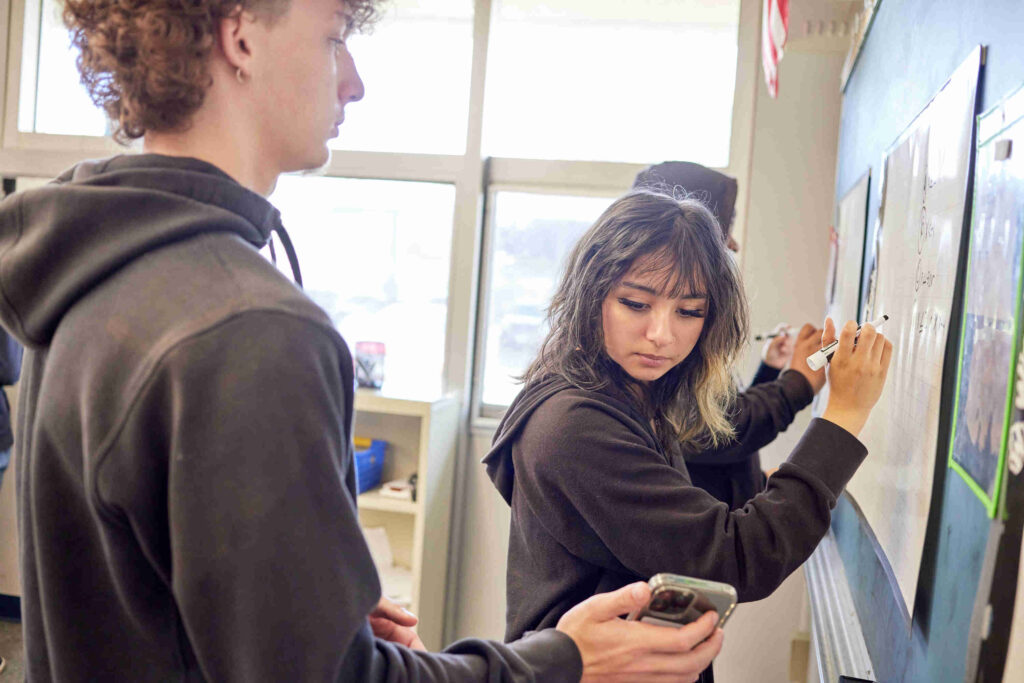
(313, 165)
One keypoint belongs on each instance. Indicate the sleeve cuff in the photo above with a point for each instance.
(551, 655)
(830, 453)
(765, 373)
(797, 389)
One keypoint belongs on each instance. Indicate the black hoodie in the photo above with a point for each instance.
(598, 503)
(185, 482)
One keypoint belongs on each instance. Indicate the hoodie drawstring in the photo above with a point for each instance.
(286, 242)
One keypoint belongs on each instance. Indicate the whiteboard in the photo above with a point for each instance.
(920, 220)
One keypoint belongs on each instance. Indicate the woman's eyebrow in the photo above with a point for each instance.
(651, 290)
(642, 288)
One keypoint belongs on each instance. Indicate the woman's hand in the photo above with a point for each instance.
(808, 340)
(856, 373)
(394, 624)
(777, 351)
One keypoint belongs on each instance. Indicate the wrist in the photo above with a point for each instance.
(851, 420)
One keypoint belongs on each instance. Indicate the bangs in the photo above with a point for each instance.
(675, 273)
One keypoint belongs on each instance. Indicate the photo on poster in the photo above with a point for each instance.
(979, 426)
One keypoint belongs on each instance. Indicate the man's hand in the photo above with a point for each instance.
(777, 351)
(617, 650)
(392, 623)
(808, 340)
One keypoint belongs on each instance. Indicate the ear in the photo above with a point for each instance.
(234, 35)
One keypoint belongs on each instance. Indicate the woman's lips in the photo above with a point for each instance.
(651, 361)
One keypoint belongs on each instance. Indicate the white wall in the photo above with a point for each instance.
(480, 599)
(791, 198)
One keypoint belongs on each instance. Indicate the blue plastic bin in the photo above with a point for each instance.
(369, 462)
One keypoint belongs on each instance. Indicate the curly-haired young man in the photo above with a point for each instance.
(186, 494)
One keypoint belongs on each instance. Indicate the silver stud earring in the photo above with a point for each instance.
(240, 76)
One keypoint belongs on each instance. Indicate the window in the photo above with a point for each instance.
(375, 255)
(636, 80)
(569, 100)
(532, 236)
(416, 68)
(53, 98)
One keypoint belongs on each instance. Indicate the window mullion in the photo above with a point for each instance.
(462, 285)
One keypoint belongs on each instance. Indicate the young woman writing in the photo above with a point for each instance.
(634, 374)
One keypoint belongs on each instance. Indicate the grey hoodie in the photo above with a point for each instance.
(185, 481)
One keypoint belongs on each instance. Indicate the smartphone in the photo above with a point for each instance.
(677, 600)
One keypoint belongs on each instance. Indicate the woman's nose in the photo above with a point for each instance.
(659, 329)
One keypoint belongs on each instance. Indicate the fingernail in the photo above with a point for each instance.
(638, 591)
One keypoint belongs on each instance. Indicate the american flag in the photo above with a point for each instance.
(774, 29)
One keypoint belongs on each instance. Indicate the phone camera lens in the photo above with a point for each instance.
(680, 601)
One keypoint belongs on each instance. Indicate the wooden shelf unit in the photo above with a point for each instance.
(422, 437)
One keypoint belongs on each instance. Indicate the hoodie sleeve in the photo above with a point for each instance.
(542, 657)
(759, 414)
(261, 544)
(765, 373)
(604, 492)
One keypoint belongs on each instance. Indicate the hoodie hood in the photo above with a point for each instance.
(499, 460)
(60, 241)
(499, 463)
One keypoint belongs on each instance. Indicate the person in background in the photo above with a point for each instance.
(636, 372)
(734, 476)
(10, 370)
(187, 496)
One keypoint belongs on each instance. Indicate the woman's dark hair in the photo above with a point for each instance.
(680, 241)
(146, 62)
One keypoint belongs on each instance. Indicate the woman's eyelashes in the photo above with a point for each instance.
(640, 306)
(633, 305)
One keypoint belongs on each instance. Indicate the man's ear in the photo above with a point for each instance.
(234, 35)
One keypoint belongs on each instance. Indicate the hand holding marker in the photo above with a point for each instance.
(819, 358)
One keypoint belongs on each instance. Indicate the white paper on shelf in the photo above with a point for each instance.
(396, 582)
(380, 547)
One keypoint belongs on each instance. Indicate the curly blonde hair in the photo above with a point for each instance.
(146, 62)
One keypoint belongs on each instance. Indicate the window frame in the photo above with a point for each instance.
(488, 414)
(53, 149)
(606, 178)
